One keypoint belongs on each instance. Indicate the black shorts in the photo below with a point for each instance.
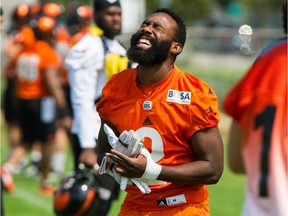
(36, 125)
(10, 102)
(66, 89)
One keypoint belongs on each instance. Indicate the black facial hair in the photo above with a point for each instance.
(109, 30)
(156, 54)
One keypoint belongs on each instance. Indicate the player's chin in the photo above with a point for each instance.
(116, 30)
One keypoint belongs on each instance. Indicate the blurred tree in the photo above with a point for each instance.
(191, 11)
(224, 3)
(261, 13)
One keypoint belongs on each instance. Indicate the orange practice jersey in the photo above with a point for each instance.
(259, 103)
(179, 106)
(31, 64)
(15, 43)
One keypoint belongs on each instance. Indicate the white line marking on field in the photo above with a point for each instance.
(30, 198)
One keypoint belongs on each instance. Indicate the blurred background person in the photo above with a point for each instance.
(78, 22)
(258, 136)
(61, 45)
(13, 45)
(39, 91)
(86, 63)
(1, 17)
(62, 136)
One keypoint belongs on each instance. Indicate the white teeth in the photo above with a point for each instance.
(144, 41)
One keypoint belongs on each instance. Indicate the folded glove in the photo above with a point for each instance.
(128, 143)
(107, 167)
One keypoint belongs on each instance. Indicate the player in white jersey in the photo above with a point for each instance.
(87, 75)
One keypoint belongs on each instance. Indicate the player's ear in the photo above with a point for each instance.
(176, 48)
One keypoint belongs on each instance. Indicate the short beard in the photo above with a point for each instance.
(156, 54)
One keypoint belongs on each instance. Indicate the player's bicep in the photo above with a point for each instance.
(208, 146)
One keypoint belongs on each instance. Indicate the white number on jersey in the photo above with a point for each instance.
(27, 67)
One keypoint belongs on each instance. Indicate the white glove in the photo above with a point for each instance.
(128, 143)
(107, 166)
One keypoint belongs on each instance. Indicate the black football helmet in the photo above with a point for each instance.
(79, 17)
(44, 28)
(76, 194)
(20, 16)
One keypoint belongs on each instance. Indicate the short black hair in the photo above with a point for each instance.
(180, 34)
(99, 5)
(1, 11)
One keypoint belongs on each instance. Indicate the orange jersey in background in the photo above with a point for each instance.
(259, 104)
(31, 63)
(14, 44)
(179, 106)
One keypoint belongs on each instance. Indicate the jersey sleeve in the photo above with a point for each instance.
(238, 100)
(204, 111)
(49, 57)
(103, 106)
(109, 90)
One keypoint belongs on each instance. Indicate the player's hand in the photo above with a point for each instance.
(141, 167)
(88, 157)
(65, 122)
(128, 143)
(107, 167)
(128, 166)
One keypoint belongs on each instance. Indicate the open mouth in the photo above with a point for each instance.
(144, 43)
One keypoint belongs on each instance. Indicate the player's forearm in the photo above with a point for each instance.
(235, 161)
(54, 87)
(198, 172)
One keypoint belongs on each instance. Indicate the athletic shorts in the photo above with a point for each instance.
(195, 209)
(10, 102)
(37, 120)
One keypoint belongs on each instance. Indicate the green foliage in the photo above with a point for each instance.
(262, 12)
(191, 11)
